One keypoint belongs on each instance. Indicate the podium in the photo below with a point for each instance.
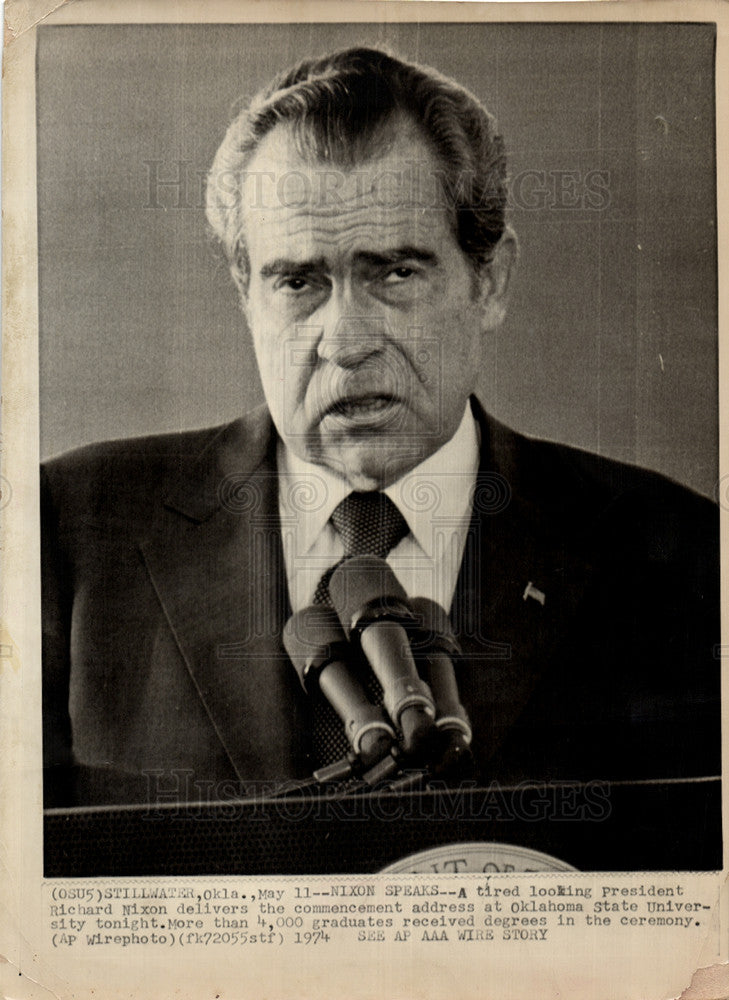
(598, 826)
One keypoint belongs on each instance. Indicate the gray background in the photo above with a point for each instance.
(611, 341)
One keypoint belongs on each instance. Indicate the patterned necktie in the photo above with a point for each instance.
(368, 524)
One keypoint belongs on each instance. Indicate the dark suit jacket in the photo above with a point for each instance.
(164, 597)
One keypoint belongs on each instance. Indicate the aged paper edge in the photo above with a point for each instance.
(26, 970)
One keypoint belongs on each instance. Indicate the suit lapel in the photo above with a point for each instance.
(511, 603)
(218, 572)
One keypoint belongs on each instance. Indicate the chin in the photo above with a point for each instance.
(373, 469)
(369, 459)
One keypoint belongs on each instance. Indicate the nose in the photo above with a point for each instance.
(350, 332)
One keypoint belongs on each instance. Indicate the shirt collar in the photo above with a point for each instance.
(441, 486)
(308, 494)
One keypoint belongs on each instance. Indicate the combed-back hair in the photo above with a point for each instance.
(338, 108)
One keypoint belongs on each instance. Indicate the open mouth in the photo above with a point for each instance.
(374, 410)
(365, 406)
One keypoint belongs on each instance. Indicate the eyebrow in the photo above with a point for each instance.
(283, 265)
(397, 254)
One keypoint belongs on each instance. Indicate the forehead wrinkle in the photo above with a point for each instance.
(336, 254)
(372, 203)
(412, 169)
(319, 250)
(349, 229)
(380, 208)
(371, 229)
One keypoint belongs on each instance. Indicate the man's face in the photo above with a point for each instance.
(365, 314)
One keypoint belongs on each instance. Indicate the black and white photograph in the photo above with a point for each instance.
(379, 436)
(363, 488)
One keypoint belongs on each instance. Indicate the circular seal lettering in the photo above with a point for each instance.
(478, 856)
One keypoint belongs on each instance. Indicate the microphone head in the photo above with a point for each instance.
(313, 638)
(363, 589)
(432, 629)
(454, 758)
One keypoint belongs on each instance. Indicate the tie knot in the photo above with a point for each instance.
(369, 524)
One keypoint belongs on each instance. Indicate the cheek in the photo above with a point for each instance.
(459, 330)
(269, 343)
(266, 358)
(285, 372)
(460, 353)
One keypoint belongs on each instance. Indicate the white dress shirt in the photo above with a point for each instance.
(435, 498)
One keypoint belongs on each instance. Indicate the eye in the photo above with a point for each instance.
(397, 275)
(292, 283)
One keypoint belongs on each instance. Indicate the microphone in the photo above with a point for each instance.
(374, 613)
(319, 651)
(436, 649)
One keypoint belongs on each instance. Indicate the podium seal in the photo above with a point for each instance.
(477, 856)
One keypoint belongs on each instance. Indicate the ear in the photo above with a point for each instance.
(495, 280)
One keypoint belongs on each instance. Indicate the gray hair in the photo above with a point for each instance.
(337, 108)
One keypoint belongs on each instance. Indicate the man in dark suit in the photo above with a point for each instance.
(360, 202)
